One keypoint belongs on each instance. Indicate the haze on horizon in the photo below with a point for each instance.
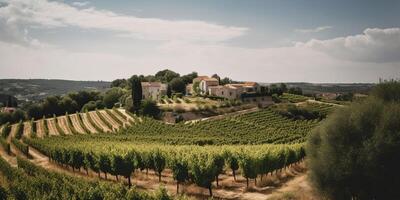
(265, 41)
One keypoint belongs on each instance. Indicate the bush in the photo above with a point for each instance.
(354, 154)
(150, 108)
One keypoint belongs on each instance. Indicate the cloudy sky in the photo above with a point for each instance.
(261, 40)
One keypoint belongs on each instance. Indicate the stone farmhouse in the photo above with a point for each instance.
(248, 92)
(153, 90)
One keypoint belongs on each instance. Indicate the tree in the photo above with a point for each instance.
(17, 116)
(122, 83)
(159, 162)
(169, 91)
(68, 105)
(188, 78)
(295, 90)
(112, 96)
(166, 75)
(150, 108)
(216, 77)
(136, 93)
(177, 85)
(3, 193)
(225, 81)
(35, 111)
(248, 165)
(180, 171)
(203, 171)
(354, 153)
(233, 163)
(274, 89)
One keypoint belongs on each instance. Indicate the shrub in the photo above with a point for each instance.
(354, 153)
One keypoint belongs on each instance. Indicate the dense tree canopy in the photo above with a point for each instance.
(177, 85)
(112, 96)
(355, 153)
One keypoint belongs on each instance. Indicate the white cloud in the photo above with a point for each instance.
(80, 3)
(374, 45)
(57, 14)
(313, 30)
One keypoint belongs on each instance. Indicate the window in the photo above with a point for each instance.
(222, 93)
(230, 93)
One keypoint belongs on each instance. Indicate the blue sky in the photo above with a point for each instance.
(266, 41)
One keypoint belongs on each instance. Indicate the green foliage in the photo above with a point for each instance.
(136, 86)
(149, 108)
(93, 105)
(158, 162)
(20, 130)
(6, 130)
(33, 182)
(387, 91)
(264, 126)
(177, 85)
(13, 117)
(166, 75)
(351, 154)
(3, 193)
(293, 98)
(21, 146)
(5, 145)
(112, 96)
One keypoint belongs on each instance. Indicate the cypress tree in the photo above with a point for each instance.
(136, 93)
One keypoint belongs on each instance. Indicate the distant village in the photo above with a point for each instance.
(249, 92)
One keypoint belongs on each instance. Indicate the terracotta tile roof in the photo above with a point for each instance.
(152, 84)
(210, 80)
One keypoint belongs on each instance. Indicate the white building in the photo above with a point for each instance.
(207, 83)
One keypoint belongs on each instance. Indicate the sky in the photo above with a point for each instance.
(347, 41)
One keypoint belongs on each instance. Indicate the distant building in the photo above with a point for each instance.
(206, 83)
(199, 78)
(153, 90)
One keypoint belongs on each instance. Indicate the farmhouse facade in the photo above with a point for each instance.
(153, 90)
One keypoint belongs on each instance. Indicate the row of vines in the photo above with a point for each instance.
(200, 165)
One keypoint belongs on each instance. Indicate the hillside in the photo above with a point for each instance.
(36, 89)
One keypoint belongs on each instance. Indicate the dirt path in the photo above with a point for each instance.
(40, 128)
(98, 121)
(62, 122)
(51, 123)
(27, 129)
(320, 102)
(75, 122)
(115, 125)
(224, 115)
(87, 123)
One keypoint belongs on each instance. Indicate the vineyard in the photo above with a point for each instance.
(293, 98)
(250, 145)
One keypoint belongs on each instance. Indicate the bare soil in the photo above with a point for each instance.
(75, 122)
(62, 122)
(40, 128)
(27, 129)
(98, 121)
(115, 125)
(51, 124)
(87, 123)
